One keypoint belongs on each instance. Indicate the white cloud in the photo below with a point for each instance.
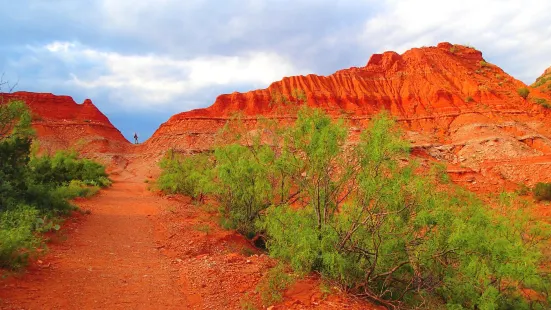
(516, 33)
(56, 46)
(146, 81)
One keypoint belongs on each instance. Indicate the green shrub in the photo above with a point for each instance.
(243, 185)
(523, 92)
(439, 172)
(247, 302)
(542, 80)
(17, 241)
(469, 99)
(272, 286)
(64, 167)
(523, 190)
(190, 175)
(542, 191)
(76, 188)
(543, 102)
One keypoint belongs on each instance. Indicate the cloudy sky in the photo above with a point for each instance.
(142, 61)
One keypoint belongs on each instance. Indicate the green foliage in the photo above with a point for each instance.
(542, 191)
(542, 80)
(523, 92)
(469, 99)
(299, 95)
(76, 188)
(288, 103)
(243, 185)
(17, 241)
(34, 190)
(393, 239)
(189, 175)
(543, 102)
(360, 215)
(483, 63)
(272, 286)
(438, 171)
(247, 302)
(15, 121)
(64, 167)
(523, 190)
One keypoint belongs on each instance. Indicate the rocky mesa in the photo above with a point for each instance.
(454, 105)
(61, 123)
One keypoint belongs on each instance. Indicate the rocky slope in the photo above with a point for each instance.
(61, 123)
(543, 83)
(455, 107)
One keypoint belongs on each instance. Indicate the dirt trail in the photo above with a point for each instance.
(110, 259)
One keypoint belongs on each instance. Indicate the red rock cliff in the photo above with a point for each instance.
(61, 123)
(543, 83)
(454, 105)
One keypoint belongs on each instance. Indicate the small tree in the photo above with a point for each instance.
(523, 92)
(542, 191)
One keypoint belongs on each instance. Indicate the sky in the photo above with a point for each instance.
(142, 61)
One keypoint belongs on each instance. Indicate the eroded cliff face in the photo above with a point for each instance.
(454, 106)
(61, 123)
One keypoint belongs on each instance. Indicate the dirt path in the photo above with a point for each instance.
(110, 260)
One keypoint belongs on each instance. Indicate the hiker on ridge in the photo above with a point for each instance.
(135, 138)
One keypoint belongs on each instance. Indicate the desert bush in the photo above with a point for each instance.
(523, 92)
(543, 102)
(542, 191)
(77, 188)
(242, 184)
(17, 241)
(189, 175)
(64, 167)
(271, 287)
(542, 80)
(394, 240)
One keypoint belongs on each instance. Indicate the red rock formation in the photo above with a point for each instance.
(454, 106)
(452, 103)
(61, 123)
(543, 83)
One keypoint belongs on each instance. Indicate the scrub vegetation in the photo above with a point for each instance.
(362, 215)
